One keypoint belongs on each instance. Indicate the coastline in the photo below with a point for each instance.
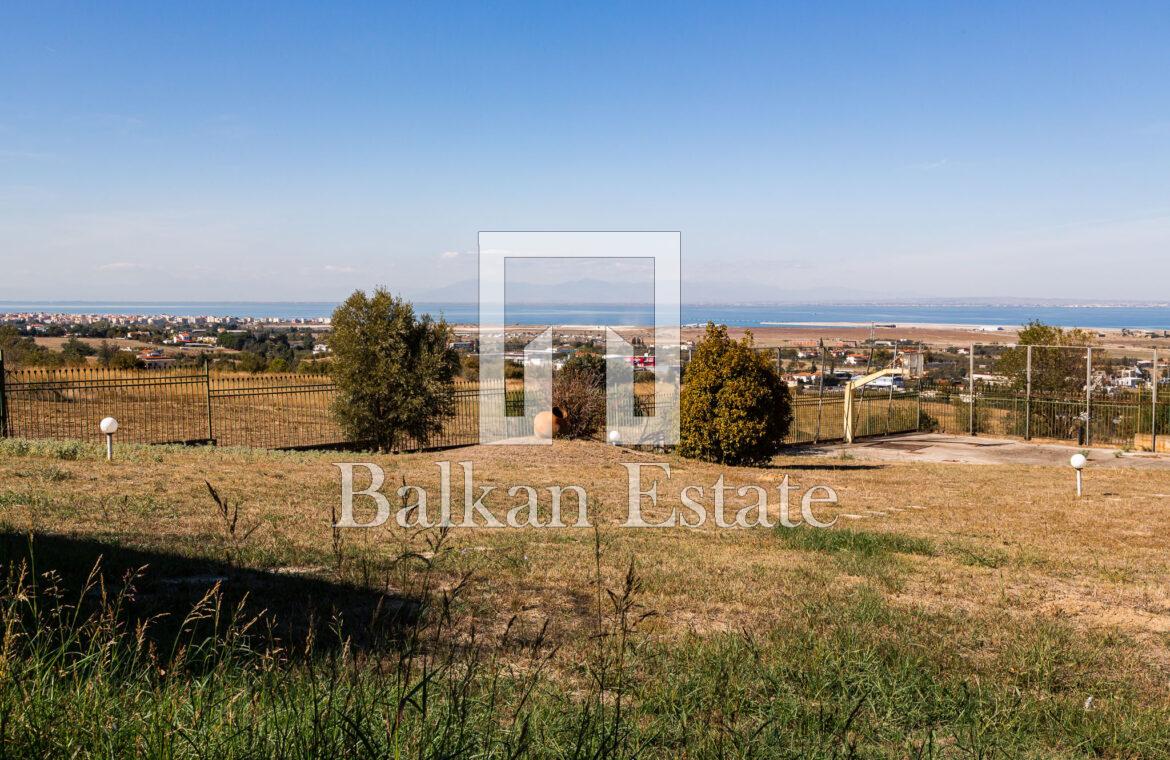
(988, 319)
(911, 325)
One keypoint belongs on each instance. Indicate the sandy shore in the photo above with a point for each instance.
(934, 335)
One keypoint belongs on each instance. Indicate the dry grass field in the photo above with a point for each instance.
(55, 344)
(952, 611)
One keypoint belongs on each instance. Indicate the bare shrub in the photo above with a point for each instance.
(579, 391)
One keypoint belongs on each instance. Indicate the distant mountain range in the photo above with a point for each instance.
(592, 291)
(634, 293)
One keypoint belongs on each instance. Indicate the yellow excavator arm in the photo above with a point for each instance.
(858, 382)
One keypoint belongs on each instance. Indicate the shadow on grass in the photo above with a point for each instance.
(292, 610)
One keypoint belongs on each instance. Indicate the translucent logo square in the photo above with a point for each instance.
(623, 424)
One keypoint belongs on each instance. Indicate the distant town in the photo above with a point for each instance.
(810, 359)
(149, 341)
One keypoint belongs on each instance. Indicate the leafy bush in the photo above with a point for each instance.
(125, 360)
(735, 407)
(394, 372)
(579, 390)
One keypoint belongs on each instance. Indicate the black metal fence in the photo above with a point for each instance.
(153, 407)
(194, 406)
(1134, 419)
(1114, 396)
(293, 411)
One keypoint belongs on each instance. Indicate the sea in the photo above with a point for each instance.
(751, 315)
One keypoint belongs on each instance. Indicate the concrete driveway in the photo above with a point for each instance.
(932, 447)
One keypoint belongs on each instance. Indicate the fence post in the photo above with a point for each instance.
(3, 400)
(1088, 394)
(1028, 398)
(918, 420)
(889, 408)
(971, 389)
(207, 388)
(821, 395)
(1154, 403)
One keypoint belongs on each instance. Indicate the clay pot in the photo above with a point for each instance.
(549, 424)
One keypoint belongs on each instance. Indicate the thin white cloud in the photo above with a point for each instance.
(450, 255)
(118, 266)
(334, 269)
(26, 155)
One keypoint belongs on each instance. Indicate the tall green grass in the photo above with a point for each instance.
(841, 674)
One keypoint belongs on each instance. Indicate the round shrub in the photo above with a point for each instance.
(735, 407)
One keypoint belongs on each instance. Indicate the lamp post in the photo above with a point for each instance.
(109, 426)
(1078, 463)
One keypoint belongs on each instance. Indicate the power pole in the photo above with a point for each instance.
(971, 389)
(3, 400)
(1028, 399)
(869, 361)
(1154, 403)
(1088, 394)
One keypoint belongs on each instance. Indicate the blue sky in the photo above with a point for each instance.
(285, 152)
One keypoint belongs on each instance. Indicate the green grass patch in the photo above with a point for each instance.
(861, 553)
(860, 542)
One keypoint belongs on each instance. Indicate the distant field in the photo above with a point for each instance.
(951, 612)
(55, 344)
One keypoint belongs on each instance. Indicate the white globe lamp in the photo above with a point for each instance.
(109, 426)
(1078, 462)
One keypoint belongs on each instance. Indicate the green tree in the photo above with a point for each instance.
(74, 351)
(126, 360)
(105, 353)
(252, 362)
(735, 408)
(1058, 359)
(232, 340)
(17, 348)
(394, 371)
